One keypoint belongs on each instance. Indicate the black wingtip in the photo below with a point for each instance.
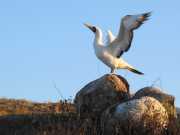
(147, 15)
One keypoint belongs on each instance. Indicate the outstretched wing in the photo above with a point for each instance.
(110, 37)
(123, 41)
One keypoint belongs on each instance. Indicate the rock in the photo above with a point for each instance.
(96, 96)
(165, 99)
(174, 124)
(178, 114)
(138, 117)
(178, 110)
(178, 118)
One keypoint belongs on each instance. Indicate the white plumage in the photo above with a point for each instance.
(111, 53)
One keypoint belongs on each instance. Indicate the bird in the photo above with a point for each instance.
(110, 53)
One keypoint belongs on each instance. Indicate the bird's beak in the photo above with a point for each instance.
(92, 28)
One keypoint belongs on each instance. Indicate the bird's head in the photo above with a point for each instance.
(97, 32)
(91, 27)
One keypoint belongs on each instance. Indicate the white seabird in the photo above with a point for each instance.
(110, 54)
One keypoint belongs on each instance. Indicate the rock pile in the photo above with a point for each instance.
(108, 100)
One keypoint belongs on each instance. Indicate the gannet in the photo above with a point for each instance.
(110, 54)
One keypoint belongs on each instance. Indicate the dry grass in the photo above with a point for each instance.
(21, 117)
(18, 107)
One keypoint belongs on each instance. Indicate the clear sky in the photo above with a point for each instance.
(43, 42)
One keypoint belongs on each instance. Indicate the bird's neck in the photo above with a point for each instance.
(98, 38)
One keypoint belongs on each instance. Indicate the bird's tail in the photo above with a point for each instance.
(124, 65)
(135, 71)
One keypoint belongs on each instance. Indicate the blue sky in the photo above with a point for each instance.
(43, 42)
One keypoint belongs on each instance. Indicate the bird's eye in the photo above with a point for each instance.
(94, 29)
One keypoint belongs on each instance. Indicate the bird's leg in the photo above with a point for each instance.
(112, 70)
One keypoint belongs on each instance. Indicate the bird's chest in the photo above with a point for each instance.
(106, 58)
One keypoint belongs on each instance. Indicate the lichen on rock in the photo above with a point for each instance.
(165, 99)
(137, 115)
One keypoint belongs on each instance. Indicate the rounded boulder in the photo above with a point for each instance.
(98, 95)
(138, 117)
(165, 99)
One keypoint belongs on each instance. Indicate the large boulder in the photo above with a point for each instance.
(96, 96)
(174, 124)
(178, 110)
(178, 118)
(144, 116)
(165, 99)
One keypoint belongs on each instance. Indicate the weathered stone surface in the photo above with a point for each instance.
(178, 110)
(178, 118)
(165, 99)
(96, 96)
(135, 117)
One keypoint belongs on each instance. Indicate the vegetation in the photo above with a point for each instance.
(18, 107)
(21, 117)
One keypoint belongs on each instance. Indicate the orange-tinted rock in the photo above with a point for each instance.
(96, 96)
